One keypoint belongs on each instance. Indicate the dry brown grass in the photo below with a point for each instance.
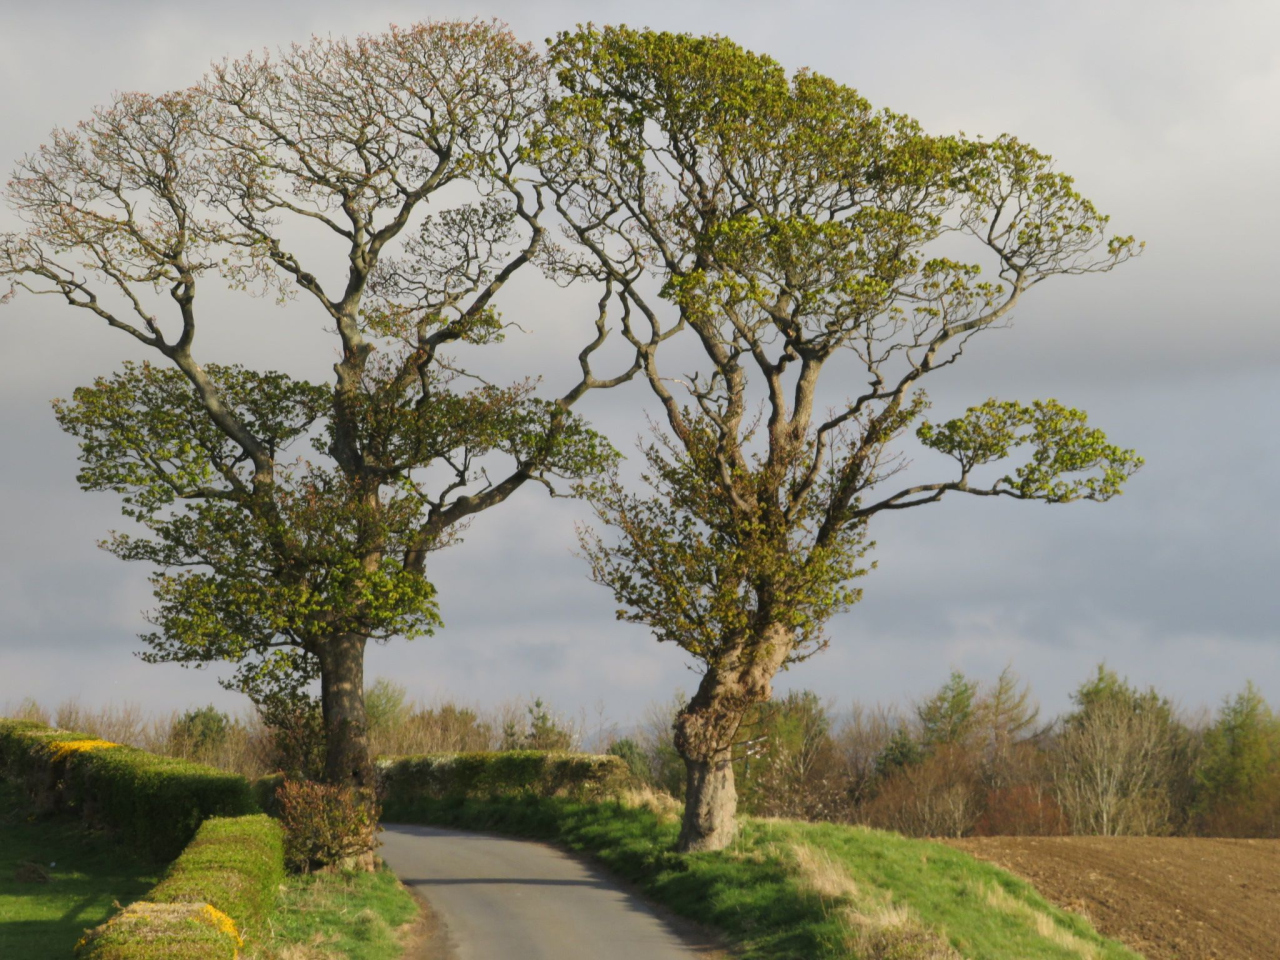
(662, 805)
(823, 875)
(997, 897)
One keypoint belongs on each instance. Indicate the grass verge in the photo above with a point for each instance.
(327, 916)
(86, 872)
(788, 889)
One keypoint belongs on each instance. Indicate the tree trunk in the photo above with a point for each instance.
(710, 806)
(342, 701)
(706, 729)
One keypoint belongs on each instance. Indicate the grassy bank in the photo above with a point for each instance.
(86, 872)
(345, 916)
(787, 889)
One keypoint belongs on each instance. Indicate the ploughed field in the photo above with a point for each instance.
(1169, 898)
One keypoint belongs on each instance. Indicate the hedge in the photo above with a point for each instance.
(175, 931)
(154, 803)
(220, 890)
(234, 863)
(264, 790)
(407, 780)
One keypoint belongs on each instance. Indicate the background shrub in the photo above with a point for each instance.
(297, 737)
(200, 732)
(541, 730)
(630, 753)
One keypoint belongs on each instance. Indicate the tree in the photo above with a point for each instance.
(1118, 759)
(763, 228)
(1238, 779)
(541, 731)
(900, 752)
(287, 565)
(950, 715)
(1005, 715)
(936, 795)
(200, 732)
(788, 768)
(386, 707)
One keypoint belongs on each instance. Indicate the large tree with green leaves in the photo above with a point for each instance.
(765, 229)
(289, 521)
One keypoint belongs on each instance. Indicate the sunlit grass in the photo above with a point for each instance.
(342, 916)
(87, 874)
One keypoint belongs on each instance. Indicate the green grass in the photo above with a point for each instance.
(352, 916)
(39, 921)
(773, 907)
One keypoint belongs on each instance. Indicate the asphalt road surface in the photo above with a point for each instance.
(501, 899)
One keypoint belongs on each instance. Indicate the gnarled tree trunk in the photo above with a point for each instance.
(707, 727)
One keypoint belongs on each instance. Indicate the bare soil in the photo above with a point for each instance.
(1168, 898)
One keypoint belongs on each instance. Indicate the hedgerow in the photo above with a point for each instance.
(515, 773)
(235, 864)
(155, 803)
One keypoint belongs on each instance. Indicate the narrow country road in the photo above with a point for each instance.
(502, 899)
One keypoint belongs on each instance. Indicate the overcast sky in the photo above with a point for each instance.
(1167, 115)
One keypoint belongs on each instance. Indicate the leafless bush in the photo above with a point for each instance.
(858, 741)
(1113, 768)
(1020, 800)
(442, 728)
(29, 710)
(125, 723)
(399, 726)
(942, 796)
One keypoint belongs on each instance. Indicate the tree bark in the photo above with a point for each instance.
(342, 701)
(710, 807)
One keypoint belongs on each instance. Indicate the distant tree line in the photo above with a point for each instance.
(977, 759)
(972, 759)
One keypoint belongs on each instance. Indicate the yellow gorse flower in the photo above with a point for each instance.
(162, 923)
(223, 923)
(61, 749)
